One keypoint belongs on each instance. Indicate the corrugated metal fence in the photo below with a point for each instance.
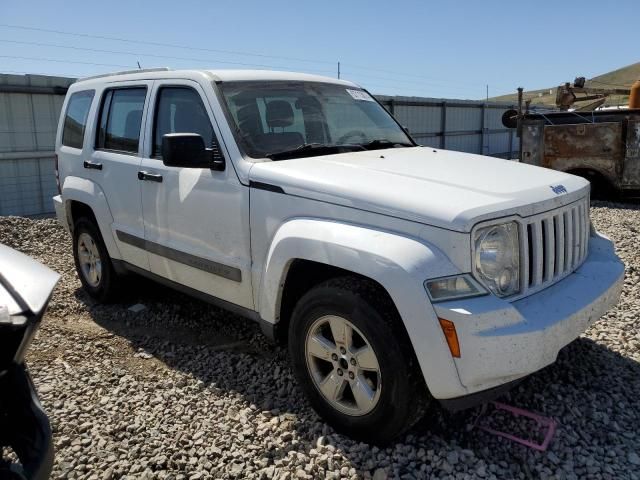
(463, 125)
(29, 110)
(30, 106)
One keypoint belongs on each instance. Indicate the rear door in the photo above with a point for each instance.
(196, 220)
(115, 162)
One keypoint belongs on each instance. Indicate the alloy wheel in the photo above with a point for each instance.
(343, 365)
(89, 259)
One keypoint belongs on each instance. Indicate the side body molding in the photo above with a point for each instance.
(400, 264)
(88, 192)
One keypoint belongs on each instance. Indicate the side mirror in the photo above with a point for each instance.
(187, 150)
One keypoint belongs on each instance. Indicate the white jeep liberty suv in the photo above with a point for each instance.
(397, 274)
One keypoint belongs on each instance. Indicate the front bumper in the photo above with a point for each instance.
(503, 341)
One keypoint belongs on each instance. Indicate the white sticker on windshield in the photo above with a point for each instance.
(360, 95)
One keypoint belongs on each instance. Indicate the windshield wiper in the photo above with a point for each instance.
(384, 143)
(313, 148)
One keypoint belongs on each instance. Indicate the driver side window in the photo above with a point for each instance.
(180, 110)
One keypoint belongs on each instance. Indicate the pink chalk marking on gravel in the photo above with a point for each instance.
(541, 420)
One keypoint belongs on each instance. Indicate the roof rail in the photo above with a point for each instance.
(126, 72)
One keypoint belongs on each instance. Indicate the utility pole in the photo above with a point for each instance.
(487, 92)
(338, 69)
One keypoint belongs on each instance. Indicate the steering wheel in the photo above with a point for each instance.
(353, 133)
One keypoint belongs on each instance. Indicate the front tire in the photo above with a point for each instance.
(92, 261)
(353, 359)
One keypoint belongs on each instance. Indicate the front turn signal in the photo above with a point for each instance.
(450, 334)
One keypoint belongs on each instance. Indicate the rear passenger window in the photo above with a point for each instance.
(75, 121)
(180, 110)
(120, 119)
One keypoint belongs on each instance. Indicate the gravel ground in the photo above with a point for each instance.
(183, 390)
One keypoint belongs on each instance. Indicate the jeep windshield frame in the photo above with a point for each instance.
(280, 119)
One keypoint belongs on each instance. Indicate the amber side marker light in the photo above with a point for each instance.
(450, 334)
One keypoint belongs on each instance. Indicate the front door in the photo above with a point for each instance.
(196, 221)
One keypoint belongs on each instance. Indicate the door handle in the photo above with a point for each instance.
(92, 165)
(153, 177)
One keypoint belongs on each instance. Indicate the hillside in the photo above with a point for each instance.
(622, 77)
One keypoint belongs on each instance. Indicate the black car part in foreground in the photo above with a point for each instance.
(25, 290)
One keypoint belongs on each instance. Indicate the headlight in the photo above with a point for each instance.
(496, 258)
(449, 288)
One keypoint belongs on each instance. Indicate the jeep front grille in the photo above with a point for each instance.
(554, 244)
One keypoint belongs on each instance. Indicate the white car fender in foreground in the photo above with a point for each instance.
(400, 264)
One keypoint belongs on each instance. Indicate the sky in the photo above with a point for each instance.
(444, 49)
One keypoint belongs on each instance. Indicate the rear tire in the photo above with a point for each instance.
(93, 263)
(366, 382)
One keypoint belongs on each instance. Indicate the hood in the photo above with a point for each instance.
(447, 189)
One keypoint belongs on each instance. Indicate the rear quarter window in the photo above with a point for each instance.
(75, 120)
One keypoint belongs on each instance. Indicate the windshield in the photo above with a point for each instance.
(286, 119)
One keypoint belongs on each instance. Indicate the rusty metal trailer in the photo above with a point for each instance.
(602, 146)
